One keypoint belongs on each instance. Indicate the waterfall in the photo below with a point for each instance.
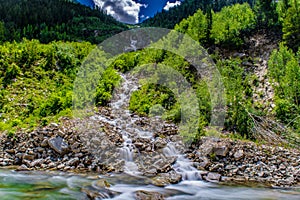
(182, 165)
(131, 127)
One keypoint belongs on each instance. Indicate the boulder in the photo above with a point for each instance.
(238, 154)
(102, 183)
(147, 195)
(94, 194)
(160, 143)
(58, 144)
(213, 177)
(221, 150)
(164, 179)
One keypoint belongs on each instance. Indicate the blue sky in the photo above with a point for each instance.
(154, 6)
(132, 11)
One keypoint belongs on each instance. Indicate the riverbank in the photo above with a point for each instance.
(93, 145)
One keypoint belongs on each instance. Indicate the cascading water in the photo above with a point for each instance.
(129, 129)
(119, 107)
(183, 165)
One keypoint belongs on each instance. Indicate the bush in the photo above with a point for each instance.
(284, 71)
(228, 24)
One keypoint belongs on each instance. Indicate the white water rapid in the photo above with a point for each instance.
(128, 125)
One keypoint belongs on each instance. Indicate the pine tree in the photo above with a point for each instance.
(291, 26)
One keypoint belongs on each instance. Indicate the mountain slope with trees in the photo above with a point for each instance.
(168, 19)
(54, 20)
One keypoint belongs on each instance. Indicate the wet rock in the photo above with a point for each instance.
(165, 179)
(37, 162)
(51, 165)
(203, 163)
(147, 195)
(282, 167)
(102, 183)
(22, 168)
(164, 165)
(19, 155)
(239, 154)
(93, 194)
(151, 172)
(160, 143)
(230, 167)
(40, 149)
(75, 146)
(61, 166)
(66, 168)
(17, 161)
(213, 177)
(58, 145)
(218, 167)
(79, 155)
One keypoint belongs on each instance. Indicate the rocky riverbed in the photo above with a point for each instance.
(96, 145)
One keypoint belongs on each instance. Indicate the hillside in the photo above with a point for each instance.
(54, 20)
(168, 19)
(257, 56)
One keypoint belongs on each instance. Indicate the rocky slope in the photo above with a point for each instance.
(66, 147)
(238, 161)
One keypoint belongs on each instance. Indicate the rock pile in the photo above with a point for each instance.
(87, 145)
(53, 147)
(238, 161)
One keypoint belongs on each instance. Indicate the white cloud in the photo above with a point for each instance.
(171, 5)
(123, 10)
(143, 17)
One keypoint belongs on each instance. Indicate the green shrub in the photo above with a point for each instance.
(228, 24)
(284, 71)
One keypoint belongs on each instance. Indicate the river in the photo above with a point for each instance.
(57, 185)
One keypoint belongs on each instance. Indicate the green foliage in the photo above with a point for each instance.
(2, 31)
(125, 62)
(225, 27)
(168, 19)
(230, 22)
(12, 71)
(107, 83)
(239, 97)
(37, 81)
(291, 25)
(149, 96)
(204, 101)
(284, 69)
(266, 13)
(196, 26)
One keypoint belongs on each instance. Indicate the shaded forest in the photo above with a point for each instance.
(54, 20)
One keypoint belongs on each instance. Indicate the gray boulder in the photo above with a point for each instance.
(58, 144)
